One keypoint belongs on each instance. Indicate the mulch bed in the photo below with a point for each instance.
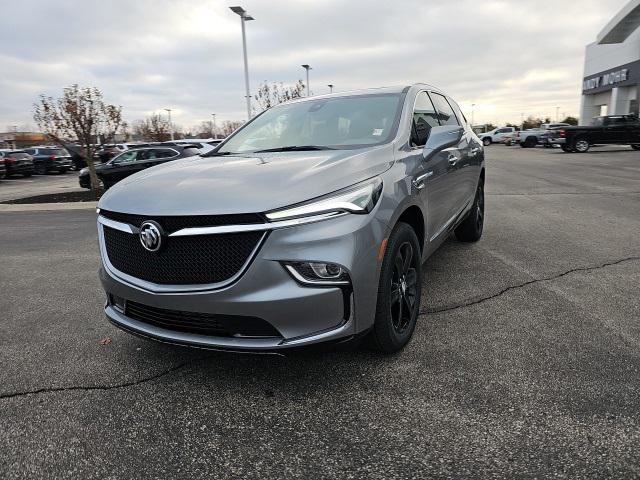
(87, 196)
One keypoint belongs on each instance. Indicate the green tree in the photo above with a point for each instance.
(570, 120)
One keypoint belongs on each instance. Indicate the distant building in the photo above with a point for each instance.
(22, 139)
(612, 67)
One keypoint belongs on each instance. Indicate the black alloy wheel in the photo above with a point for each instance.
(399, 290)
(470, 230)
(403, 289)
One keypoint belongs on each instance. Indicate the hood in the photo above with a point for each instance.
(243, 183)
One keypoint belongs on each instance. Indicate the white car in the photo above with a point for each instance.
(534, 136)
(497, 135)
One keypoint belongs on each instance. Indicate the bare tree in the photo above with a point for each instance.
(81, 115)
(230, 126)
(272, 94)
(154, 128)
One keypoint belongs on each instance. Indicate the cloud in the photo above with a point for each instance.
(146, 55)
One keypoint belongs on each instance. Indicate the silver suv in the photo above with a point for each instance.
(309, 224)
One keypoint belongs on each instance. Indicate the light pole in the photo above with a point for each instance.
(473, 114)
(330, 88)
(307, 68)
(244, 17)
(215, 133)
(170, 124)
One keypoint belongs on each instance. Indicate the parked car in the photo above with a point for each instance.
(497, 135)
(47, 159)
(607, 130)
(531, 137)
(16, 162)
(308, 224)
(135, 160)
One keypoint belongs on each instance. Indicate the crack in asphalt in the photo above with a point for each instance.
(132, 383)
(525, 284)
(180, 366)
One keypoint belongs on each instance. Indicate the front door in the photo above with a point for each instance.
(462, 175)
(432, 178)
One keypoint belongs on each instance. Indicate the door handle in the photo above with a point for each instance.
(475, 151)
(452, 159)
(418, 182)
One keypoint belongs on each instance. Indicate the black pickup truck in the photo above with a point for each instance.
(613, 129)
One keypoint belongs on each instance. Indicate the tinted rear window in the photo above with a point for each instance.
(18, 155)
(51, 151)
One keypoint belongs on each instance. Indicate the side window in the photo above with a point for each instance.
(126, 157)
(424, 118)
(445, 112)
(165, 153)
(460, 115)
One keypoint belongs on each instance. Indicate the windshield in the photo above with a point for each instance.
(341, 122)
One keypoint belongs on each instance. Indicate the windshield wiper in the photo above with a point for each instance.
(294, 148)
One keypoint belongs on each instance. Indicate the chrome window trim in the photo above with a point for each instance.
(169, 289)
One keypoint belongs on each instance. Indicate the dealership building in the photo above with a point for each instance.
(612, 67)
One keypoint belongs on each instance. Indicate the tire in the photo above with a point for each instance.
(635, 147)
(62, 171)
(27, 174)
(530, 142)
(470, 230)
(486, 141)
(566, 149)
(581, 145)
(523, 145)
(40, 169)
(399, 290)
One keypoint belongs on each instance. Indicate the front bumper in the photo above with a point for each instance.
(301, 314)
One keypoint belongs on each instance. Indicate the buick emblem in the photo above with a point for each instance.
(150, 236)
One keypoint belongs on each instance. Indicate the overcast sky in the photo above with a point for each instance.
(507, 57)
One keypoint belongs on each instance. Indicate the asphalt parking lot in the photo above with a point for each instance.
(16, 186)
(525, 361)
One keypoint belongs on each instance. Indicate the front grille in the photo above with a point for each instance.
(172, 224)
(190, 260)
(201, 323)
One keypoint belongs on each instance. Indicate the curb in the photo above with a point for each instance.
(47, 207)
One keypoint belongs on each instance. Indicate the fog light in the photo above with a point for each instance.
(318, 273)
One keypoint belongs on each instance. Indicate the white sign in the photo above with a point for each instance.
(610, 78)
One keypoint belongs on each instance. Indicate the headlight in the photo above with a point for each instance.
(84, 171)
(360, 199)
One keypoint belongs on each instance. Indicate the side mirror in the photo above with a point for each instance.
(443, 137)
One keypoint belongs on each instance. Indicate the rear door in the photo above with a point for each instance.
(615, 131)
